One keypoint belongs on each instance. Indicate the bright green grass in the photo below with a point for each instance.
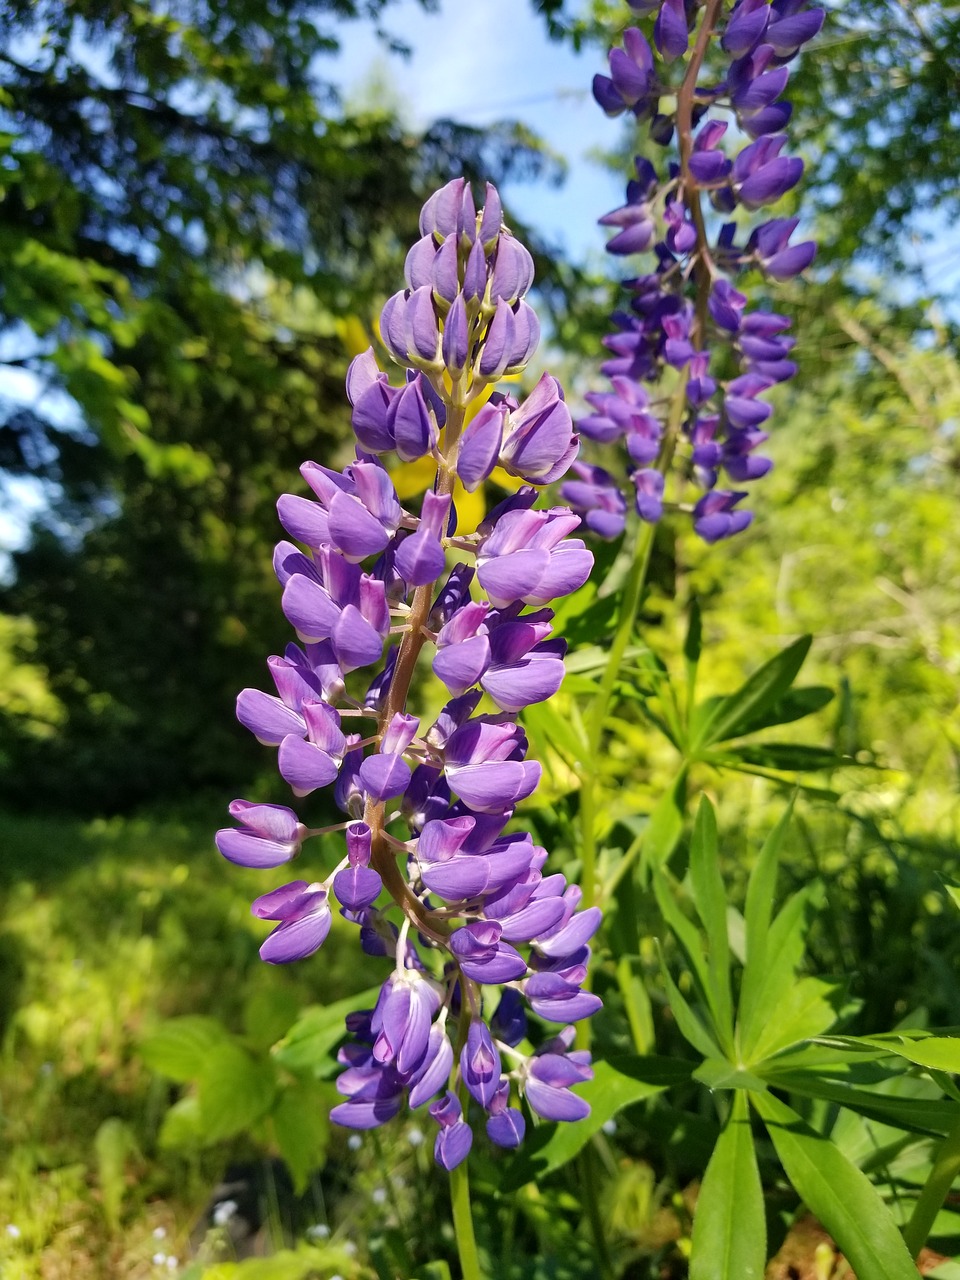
(105, 928)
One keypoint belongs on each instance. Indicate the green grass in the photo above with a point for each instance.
(107, 927)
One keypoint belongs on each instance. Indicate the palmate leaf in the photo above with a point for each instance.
(729, 1226)
(710, 899)
(762, 891)
(768, 980)
(665, 825)
(731, 716)
(929, 1116)
(616, 1084)
(808, 1008)
(935, 1052)
(691, 1026)
(788, 757)
(838, 1193)
(710, 993)
(794, 705)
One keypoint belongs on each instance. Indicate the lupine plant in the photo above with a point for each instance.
(487, 998)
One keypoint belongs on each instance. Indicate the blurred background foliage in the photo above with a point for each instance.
(195, 236)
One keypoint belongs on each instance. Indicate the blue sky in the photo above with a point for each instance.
(487, 61)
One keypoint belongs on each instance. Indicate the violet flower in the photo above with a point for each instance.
(686, 306)
(427, 870)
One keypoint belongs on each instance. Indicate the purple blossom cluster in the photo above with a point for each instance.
(687, 325)
(477, 934)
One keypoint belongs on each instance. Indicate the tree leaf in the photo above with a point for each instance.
(234, 1092)
(616, 1083)
(731, 715)
(307, 1045)
(178, 1048)
(302, 1129)
(838, 1193)
(182, 1128)
(729, 1227)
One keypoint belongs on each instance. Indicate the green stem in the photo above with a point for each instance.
(935, 1190)
(463, 1223)
(629, 607)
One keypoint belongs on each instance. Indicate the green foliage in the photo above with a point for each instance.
(729, 1230)
(193, 273)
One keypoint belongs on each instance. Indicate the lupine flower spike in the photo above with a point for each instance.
(428, 873)
(682, 312)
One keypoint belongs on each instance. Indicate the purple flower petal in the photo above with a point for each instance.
(304, 766)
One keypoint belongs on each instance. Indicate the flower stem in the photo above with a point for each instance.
(463, 1223)
(945, 1168)
(633, 593)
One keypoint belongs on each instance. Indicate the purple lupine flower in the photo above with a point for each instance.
(304, 915)
(455, 1138)
(269, 835)
(457, 906)
(689, 301)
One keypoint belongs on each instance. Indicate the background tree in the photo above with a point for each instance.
(190, 226)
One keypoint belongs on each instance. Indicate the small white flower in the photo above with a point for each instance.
(610, 1127)
(319, 1231)
(354, 1142)
(13, 1231)
(224, 1211)
(158, 1259)
(172, 1264)
(415, 1137)
(349, 1249)
(379, 1195)
(159, 1233)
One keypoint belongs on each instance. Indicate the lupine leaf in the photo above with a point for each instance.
(617, 1083)
(691, 1027)
(719, 1073)
(787, 756)
(688, 937)
(764, 988)
(918, 1115)
(731, 716)
(838, 1193)
(794, 705)
(692, 646)
(939, 1053)
(761, 894)
(665, 825)
(710, 898)
(808, 1008)
(729, 1227)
